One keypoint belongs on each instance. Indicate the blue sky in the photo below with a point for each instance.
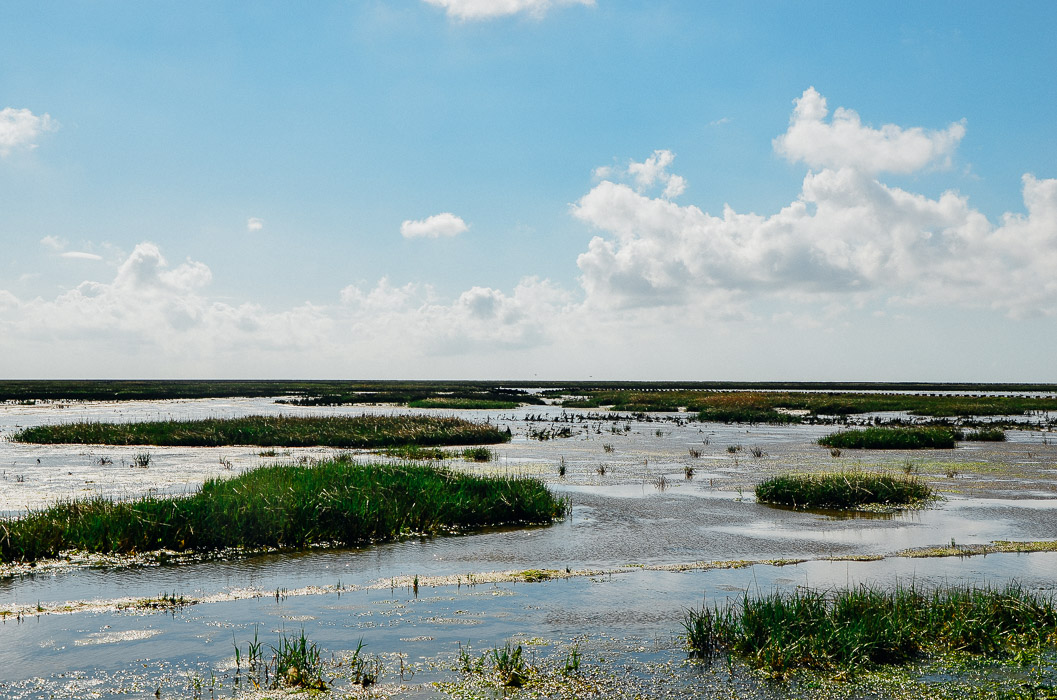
(523, 188)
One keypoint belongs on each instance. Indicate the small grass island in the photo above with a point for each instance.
(286, 507)
(844, 490)
(361, 431)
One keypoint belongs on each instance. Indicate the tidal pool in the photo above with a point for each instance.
(635, 521)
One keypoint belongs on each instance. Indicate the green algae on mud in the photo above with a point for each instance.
(286, 507)
(274, 431)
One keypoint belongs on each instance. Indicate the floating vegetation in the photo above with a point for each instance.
(462, 403)
(550, 433)
(891, 438)
(854, 489)
(274, 431)
(334, 502)
(845, 631)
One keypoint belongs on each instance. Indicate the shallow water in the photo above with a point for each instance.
(641, 512)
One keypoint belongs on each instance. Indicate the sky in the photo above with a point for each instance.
(529, 189)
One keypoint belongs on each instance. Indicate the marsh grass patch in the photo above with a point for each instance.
(892, 438)
(845, 631)
(285, 506)
(274, 431)
(844, 490)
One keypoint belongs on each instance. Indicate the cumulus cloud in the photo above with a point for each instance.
(847, 236)
(487, 9)
(253, 224)
(443, 225)
(156, 317)
(19, 128)
(648, 174)
(844, 141)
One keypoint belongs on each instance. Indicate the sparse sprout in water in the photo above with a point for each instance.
(695, 453)
(756, 451)
(142, 459)
(661, 482)
(607, 446)
(601, 470)
(509, 666)
(572, 662)
(834, 452)
(561, 467)
(688, 472)
(733, 449)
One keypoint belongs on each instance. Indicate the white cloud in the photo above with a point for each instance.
(845, 142)
(80, 255)
(54, 242)
(847, 236)
(19, 128)
(487, 9)
(648, 174)
(443, 225)
(58, 245)
(253, 224)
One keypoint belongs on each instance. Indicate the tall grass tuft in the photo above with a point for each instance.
(887, 438)
(851, 489)
(851, 629)
(274, 431)
(335, 502)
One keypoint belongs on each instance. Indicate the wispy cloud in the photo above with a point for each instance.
(443, 225)
(80, 255)
(58, 245)
(19, 128)
(487, 9)
(253, 224)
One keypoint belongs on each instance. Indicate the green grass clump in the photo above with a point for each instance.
(842, 490)
(844, 631)
(278, 431)
(984, 435)
(886, 438)
(334, 502)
